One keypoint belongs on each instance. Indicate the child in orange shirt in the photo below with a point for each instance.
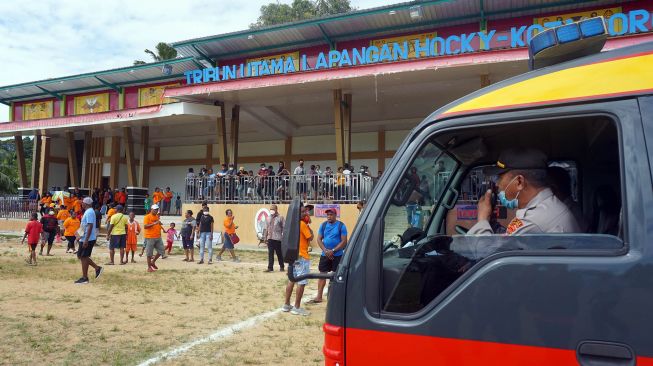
(133, 229)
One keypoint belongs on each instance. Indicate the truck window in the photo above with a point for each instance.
(422, 185)
(424, 253)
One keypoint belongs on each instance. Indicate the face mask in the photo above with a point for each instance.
(509, 204)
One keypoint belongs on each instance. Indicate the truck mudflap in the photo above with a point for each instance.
(409, 349)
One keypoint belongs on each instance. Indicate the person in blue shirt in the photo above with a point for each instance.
(332, 238)
(87, 240)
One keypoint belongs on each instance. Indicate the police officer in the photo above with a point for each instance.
(523, 186)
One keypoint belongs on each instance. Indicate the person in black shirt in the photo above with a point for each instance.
(205, 229)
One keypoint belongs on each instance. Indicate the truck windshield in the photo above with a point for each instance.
(419, 193)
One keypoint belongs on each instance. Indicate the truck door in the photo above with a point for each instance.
(417, 296)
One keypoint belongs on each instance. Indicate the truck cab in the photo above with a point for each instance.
(414, 288)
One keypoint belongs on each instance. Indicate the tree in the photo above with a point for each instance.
(9, 164)
(163, 52)
(277, 13)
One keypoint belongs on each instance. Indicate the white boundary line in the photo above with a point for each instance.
(218, 335)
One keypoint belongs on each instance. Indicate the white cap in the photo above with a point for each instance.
(88, 200)
(155, 207)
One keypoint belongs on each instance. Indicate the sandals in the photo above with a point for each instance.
(314, 301)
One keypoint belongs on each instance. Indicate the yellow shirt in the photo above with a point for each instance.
(63, 215)
(304, 233)
(118, 222)
(71, 225)
(153, 231)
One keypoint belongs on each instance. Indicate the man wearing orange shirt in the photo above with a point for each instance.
(301, 267)
(152, 233)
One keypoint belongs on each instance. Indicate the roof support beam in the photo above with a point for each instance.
(198, 64)
(204, 57)
(264, 121)
(143, 166)
(56, 95)
(20, 157)
(72, 159)
(129, 156)
(332, 44)
(282, 116)
(112, 86)
(235, 124)
(221, 131)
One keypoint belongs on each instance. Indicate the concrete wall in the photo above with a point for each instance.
(57, 175)
(245, 215)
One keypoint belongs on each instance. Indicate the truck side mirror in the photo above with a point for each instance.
(290, 241)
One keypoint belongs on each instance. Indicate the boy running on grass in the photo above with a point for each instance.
(133, 229)
(301, 267)
(33, 234)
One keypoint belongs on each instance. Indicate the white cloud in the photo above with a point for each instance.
(54, 38)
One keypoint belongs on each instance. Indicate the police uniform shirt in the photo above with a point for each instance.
(544, 214)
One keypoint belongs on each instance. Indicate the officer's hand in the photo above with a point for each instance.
(485, 207)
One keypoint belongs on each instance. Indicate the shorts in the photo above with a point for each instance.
(118, 242)
(131, 246)
(227, 242)
(153, 243)
(187, 243)
(49, 236)
(328, 265)
(301, 267)
(32, 247)
(85, 252)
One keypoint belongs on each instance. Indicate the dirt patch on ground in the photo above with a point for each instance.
(129, 315)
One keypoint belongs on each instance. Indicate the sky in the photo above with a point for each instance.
(53, 38)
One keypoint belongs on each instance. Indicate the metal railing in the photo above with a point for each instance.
(15, 207)
(344, 188)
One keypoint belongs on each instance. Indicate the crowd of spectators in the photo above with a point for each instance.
(278, 185)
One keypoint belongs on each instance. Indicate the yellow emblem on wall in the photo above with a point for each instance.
(605, 13)
(95, 103)
(153, 95)
(277, 58)
(37, 110)
(411, 38)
